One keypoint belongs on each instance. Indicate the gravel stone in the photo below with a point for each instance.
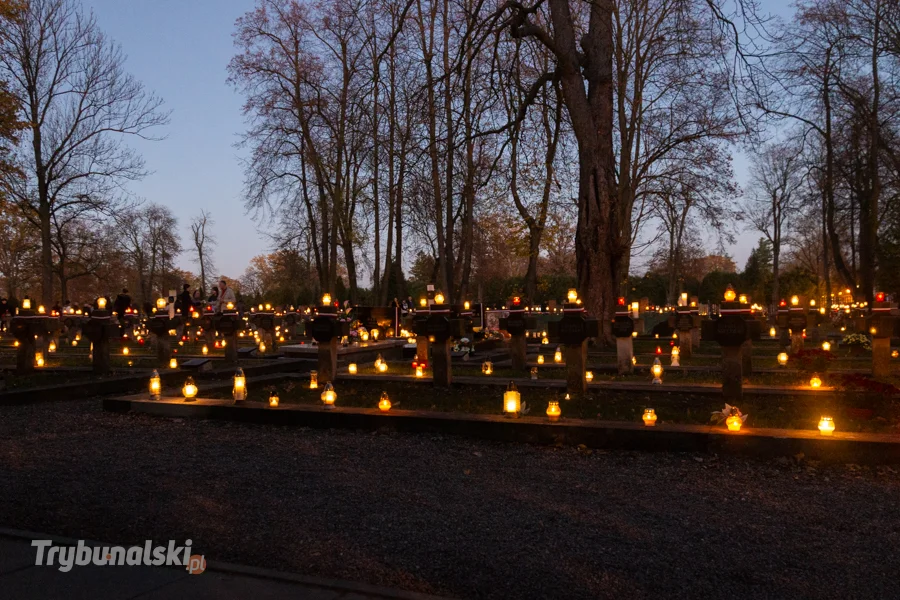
(453, 516)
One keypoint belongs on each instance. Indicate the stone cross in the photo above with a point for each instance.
(439, 328)
(29, 326)
(882, 317)
(573, 331)
(622, 329)
(797, 323)
(731, 330)
(98, 329)
(228, 324)
(327, 330)
(160, 324)
(516, 325)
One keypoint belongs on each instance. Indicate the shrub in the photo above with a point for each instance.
(812, 361)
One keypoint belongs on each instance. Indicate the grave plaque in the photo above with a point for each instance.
(622, 327)
(322, 328)
(797, 322)
(684, 321)
(731, 330)
(573, 330)
(881, 324)
(516, 324)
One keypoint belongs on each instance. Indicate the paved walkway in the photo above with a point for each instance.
(21, 579)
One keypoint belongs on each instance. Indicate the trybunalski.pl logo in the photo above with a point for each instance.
(65, 557)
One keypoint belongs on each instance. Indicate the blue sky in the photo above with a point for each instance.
(180, 49)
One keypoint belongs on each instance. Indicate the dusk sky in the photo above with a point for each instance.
(180, 50)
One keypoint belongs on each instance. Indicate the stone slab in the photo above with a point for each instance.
(764, 443)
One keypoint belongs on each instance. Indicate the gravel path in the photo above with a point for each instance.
(452, 516)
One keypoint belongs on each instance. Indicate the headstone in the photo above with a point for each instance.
(25, 327)
(881, 327)
(622, 329)
(516, 324)
(326, 329)
(684, 324)
(98, 329)
(573, 331)
(731, 331)
(797, 323)
(438, 332)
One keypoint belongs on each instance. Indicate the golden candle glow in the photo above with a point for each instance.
(382, 367)
(42, 310)
(589, 376)
(423, 302)
(125, 350)
(351, 368)
(173, 363)
(384, 404)
(313, 380)
(51, 347)
(160, 303)
(782, 359)
(326, 299)
(26, 304)
(39, 359)
(649, 417)
(273, 398)
(190, 389)
(487, 367)
(239, 391)
(772, 332)
(815, 381)
(328, 396)
(512, 401)
(229, 306)
(826, 426)
(557, 356)
(826, 346)
(730, 295)
(795, 300)
(364, 336)
(540, 359)
(553, 411)
(420, 372)
(101, 303)
(262, 347)
(572, 295)
(742, 298)
(657, 370)
(734, 423)
(466, 305)
(545, 340)
(204, 350)
(155, 385)
(439, 298)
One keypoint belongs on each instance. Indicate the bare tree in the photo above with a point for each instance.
(776, 179)
(203, 239)
(80, 104)
(150, 245)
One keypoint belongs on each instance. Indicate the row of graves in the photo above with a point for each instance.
(102, 341)
(558, 349)
(558, 356)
